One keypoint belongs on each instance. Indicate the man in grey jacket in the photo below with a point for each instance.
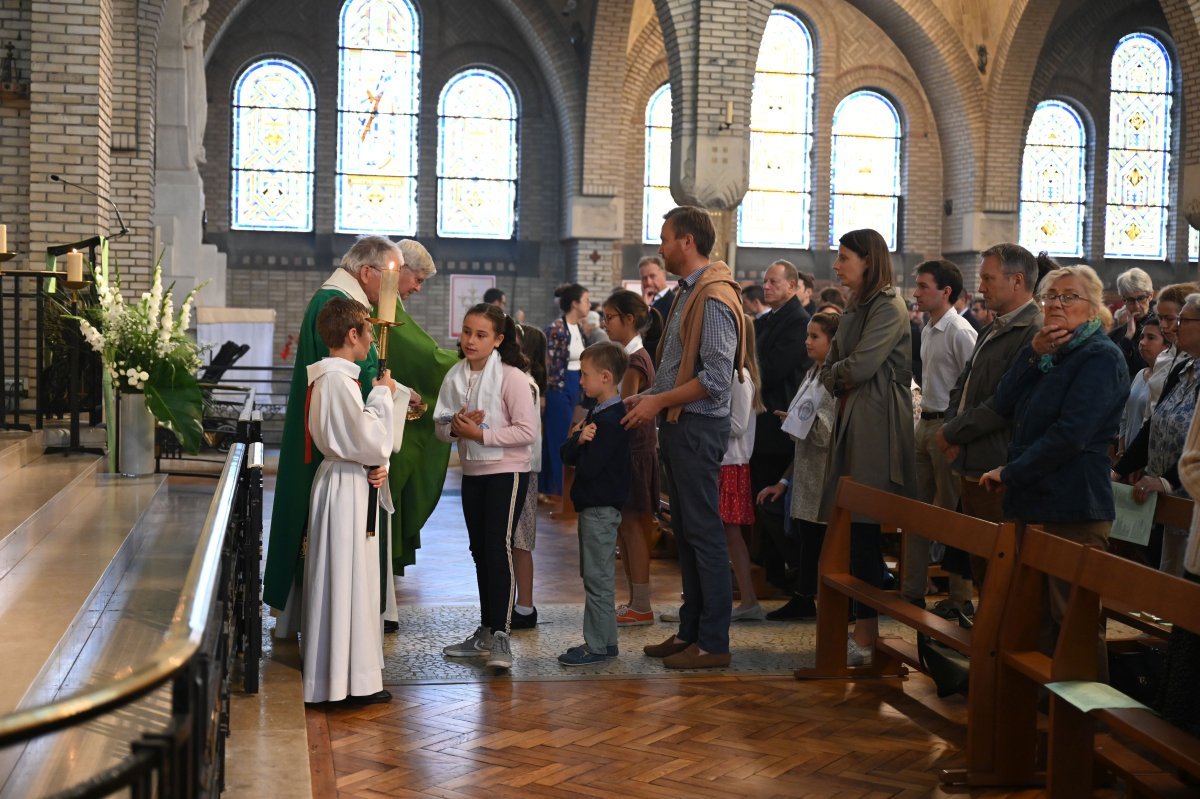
(975, 438)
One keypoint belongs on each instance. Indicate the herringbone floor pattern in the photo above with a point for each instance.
(760, 737)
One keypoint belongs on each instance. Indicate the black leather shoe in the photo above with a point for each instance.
(377, 698)
(521, 621)
(391, 626)
(798, 607)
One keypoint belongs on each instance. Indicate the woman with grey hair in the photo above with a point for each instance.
(1137, 292)
(1156, 450)
(1067, 388)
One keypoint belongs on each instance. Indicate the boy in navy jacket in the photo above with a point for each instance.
(598, 448)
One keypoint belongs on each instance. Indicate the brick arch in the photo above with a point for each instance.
(564, 78)
(952, 84)
(602, 128)
(1014, 64)
(646, 70)
(920, 151)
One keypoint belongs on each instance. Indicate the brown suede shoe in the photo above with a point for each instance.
(667, 647)
(691, 658)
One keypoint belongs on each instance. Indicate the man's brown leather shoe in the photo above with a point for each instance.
(667, 647)
(691, 658)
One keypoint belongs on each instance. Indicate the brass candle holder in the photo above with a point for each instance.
(415, 412)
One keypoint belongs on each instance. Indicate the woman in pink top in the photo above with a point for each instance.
(485, 405)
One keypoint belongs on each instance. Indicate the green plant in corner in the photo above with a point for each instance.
(145, 349)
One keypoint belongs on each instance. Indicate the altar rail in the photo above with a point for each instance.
(218, 617)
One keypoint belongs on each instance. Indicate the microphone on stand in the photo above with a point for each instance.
(120, 221)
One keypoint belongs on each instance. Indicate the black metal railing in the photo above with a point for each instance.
(217, 621)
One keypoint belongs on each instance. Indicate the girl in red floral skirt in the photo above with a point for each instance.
(736, 498)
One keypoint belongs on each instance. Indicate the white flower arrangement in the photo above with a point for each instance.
(145, 348)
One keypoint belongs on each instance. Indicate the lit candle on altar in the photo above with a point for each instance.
(74, 267)
(3, 238)
(389, 285)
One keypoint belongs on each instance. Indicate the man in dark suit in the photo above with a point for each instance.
(658, 297)
(782, 362)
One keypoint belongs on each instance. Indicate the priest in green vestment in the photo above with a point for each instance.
(358, 277)
(418, 470)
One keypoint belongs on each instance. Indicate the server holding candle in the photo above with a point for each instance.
(359, 277)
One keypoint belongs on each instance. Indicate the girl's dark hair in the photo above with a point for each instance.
(533, 344)
(568, 294)
(627, 303)
(828, 322)
(1045, 265)
(1150, 320)
(872, 248)
(503, 324)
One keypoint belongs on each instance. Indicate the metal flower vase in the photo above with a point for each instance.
(135, 430)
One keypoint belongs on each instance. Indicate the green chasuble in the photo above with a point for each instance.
(293, 486)
(418, 470)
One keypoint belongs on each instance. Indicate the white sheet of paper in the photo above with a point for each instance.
(1133, 521)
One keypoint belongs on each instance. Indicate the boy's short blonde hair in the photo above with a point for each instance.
(607, 357)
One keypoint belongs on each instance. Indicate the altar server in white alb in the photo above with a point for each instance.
(341, 633)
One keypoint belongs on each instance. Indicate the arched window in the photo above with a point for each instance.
(273, 118)
(477, 157)
(775, 210)
(378, 94)
(656, 197)
(1054, 181)
(1139, 136)
(866, 167)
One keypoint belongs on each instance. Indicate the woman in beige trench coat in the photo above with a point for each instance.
(869, 371)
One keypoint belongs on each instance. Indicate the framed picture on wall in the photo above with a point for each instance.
(465, 291)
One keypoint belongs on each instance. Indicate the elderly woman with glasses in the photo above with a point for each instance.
(1156, 450)
(1137, 292)
(1065, 394)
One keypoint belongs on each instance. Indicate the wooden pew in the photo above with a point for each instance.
(1137, 735)
(1022, 667)
(994, 542)
(1171, 512)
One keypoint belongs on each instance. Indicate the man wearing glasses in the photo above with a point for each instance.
(1137, 292)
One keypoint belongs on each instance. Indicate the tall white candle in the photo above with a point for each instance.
(74, 267)
(3, 238)
(389, 284)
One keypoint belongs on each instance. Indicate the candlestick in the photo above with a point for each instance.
(74, 267)
(389, 285)
(3, 238)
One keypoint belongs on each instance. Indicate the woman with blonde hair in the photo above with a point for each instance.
(1068, 389)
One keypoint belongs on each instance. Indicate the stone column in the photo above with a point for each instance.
(712, 49)
(179, 191)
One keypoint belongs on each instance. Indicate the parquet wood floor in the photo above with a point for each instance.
(635, 738)
(759, 737)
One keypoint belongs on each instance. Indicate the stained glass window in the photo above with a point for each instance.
(378, 93)
(273, 118)
(775, 210)
(1139, 135)
(656, 198)
(477, 157)
(1053, 181)
(866, 167)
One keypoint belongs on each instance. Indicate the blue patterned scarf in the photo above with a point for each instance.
(1081, 334)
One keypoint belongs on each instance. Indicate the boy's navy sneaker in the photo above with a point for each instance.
(582, 656)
